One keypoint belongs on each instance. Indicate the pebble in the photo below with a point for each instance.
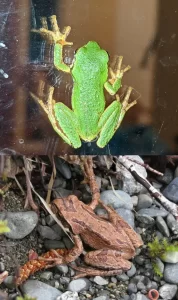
(37, 289)
(67, 242)
(171, 273)
(132, 288)
(122, 277)
(117, 199)
(144, 201)
(171, 257)
(2, 267)
(168, 291)
(9, 282)
(160, 265)
(101, 298)
(140, 260)
(63, 167)
(129, 184)
(46, 275)
(69, 296)
(145, 220)
(132, 271)
(153, 212)
(167, 177)
(52, 244)
(171, 191)
(59, 182)
(62, 269)
(50, 220)
(172, 223)
(127, 215)
(162, 226)
(20, 223)
(60, 192)
(140, 297)
(100, 280)
(176, 172)
(47, 232)
(134, 200)
(79, 285)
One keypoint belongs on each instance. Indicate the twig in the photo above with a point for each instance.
(146, 166)
(170, 206)
(29, 197)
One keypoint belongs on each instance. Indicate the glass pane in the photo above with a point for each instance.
(143, 32)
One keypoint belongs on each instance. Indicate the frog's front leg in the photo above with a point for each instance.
(56, 38)
(114, 83)
(112, 118)
(61, 117)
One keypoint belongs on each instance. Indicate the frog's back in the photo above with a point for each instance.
(90, 72)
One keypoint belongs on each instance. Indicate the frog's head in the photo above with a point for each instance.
(68, 208)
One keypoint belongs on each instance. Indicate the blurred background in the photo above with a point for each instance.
(144, 32)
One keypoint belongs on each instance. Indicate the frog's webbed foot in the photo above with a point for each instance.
(114, 82)
(57, 38)
(55, 35)
(125, 105)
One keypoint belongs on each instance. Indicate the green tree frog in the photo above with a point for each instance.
(89, 118)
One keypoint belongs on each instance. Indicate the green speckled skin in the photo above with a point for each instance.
(90, 72)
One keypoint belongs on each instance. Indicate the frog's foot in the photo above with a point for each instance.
(57, 38)
(60, 116)
(94, 272)
(125, 105)
(119, 72)
(114, 83)
(55, 35)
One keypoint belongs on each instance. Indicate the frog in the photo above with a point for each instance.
(89, 119)
(113, 239)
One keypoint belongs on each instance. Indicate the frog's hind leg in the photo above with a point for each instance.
(66, 126)
(112, 118)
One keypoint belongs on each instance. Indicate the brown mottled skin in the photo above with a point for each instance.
(113, 238)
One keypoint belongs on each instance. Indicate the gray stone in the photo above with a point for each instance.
(160, 265)
(146, 220)
(153, 212)
(140, 260)
(168, 291)
(117, 199)
(67, 242)
(50, 244)
(100, 280)
(171, 191)
(46, 275)
(58, 230)
(171, 257)
(140, 297)
(162, 226)
(38, 289)
(69, 296)
(176, 172)
(167, 177)
(50, 220)
(20, 223)
(62, 269)
(172, 223)
(47, 232)
(61, 193)
(130, 185)
(105, 297)
(122, 277)
(2, 267)
(144, 201)
(171, 273)
(134, 200)
(79, 285)
(157, 185)
(127, 215)
(63, 167)
(141, 286)
(132, 271)
(132, 288)
(9, 282)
